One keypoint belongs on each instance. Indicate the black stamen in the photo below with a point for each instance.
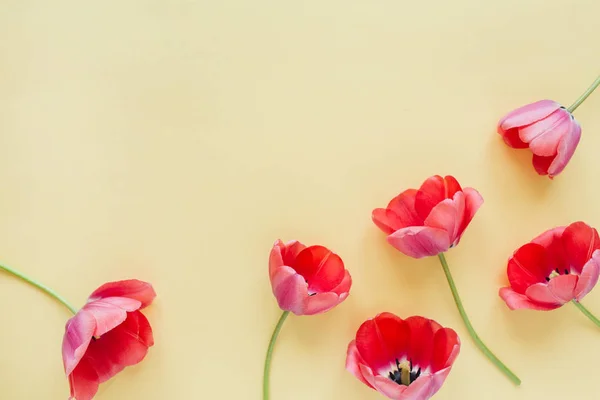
(557, 271)
(547, 279)
(566, 272)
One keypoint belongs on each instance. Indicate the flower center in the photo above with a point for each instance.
(404, 373)
(557, 272)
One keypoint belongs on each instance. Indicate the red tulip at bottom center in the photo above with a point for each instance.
(403, 359)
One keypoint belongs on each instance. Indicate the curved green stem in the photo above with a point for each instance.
(585, 312)
(270, 354)
(585, 95)
(40, 286)
(484, 349)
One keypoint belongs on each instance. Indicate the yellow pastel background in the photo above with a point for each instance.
(174, 141)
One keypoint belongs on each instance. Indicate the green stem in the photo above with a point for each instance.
(587, 313)
(270, 354)
(585, 95)
(484, 349)
(40, 286)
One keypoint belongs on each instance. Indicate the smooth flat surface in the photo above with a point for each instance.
(174, 141)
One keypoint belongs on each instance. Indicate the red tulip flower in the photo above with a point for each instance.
(108, 334)
(561, 265)
(548, 129)
(306, 281)
(402, 359)
(430, 221)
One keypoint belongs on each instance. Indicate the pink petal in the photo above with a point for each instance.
(527, 115)
(83, 381)
(544, 132)
(353, 363)
(420, 241)
(448, 215)
(320, 303)
(110, 312)
(284, 254)
(473, 201)
(517, 301)
(589, 276)
(78, 334)
(290, 290)
(559, 290)
(132, 288)
(566, 149)
(433, 191)
(389, 388)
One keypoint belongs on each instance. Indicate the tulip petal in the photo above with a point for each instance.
(83, 381)
(320, 303)
(382, 340)
(284, 254)
(448, 215)
(78, 335)
(353, 362)
(124, 346)
(131, 288)
(552, 241)
(528, 266)
(527, 114)
(560, 290)
(580, 240)
(446, 346)
(344, 287)
(386, 220)
(545, 134)
(512, 139)
(322, 269)
(542, 164)
(433, 191)
(565, 150)
(290, 289)
(421, 341)
(517, 301)
(404, 207)
(110, 312)
(473, 201)
(589, 276)
(420, 241)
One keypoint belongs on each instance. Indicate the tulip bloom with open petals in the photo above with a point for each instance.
(547, 129)
(108, 334)
(430, 220)
(402, 359)
(307, 280)
(558, 266)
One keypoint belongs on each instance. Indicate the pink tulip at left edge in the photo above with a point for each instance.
(108, 334)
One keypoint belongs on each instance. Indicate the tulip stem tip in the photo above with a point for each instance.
(586, 312)
(584, 96)
(484, 349)
(40, 286)
(270, 354)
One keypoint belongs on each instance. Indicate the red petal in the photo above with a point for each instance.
(403, 206)
(542, 164)
(446, 346)
(528, 266)
(556, 255)
(386, 220)
(124, 346)
(512, 139)
(421, 341)
(132, 288)
(434, 190)
(382, 340)
(284, 254)
(580, 241)
(322, 269)
(83, 381)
